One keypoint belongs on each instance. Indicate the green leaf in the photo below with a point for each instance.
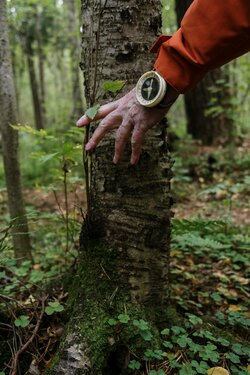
(233, 357)
(238, 349)
(37, 276)
(186, 370)
(49, 310)
(92, 111)
(165, 332)
(53, 307)
(183, 341)
(200, 367)
(22, 321)
(112, 322)
(146, 335)
(45, 158)
(167, 344)
(177, 330)
(134, 365)
(113, 86)
(223, 342)
(56, 306)
(194, 319)
(124, 318)
(141, 324)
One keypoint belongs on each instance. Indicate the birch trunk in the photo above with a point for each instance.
(20, 233)
(125, 238)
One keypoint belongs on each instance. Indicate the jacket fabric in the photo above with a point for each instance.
(212, 33)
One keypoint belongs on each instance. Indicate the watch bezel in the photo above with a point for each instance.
(161, 93)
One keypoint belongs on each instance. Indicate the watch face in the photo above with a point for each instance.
(150, 89)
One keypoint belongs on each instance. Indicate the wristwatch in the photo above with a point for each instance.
(153, 91)
(150, 89)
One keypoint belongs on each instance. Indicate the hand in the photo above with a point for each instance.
(132, 120)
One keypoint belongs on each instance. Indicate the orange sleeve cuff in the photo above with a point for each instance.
(178, 71)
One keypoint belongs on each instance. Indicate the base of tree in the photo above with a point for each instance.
(93, 346)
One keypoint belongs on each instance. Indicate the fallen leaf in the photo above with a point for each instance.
(217, 371)
(234, 308)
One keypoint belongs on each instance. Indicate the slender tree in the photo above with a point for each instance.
(74, 45)
(209, 105)
(41, 58)
(20, 231)
(37, 105)
(125, 237)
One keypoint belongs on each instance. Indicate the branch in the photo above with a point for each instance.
(25, 346)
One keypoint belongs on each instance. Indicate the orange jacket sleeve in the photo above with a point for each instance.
(212, 33)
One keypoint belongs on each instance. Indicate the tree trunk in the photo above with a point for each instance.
(209, 105)
(34, 85)
(73, 26)
(40, 55)
(125, 240)
(20, 233)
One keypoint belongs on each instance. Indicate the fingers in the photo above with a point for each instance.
(136, 144)
(110, 122)
(102, 112)
(122, 136)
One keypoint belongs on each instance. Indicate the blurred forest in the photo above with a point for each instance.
(42, 211)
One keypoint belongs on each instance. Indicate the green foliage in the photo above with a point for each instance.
(92, 111)
(191, 347)
(53, 307)
(22, 321)
(134, 365)
(113, 86)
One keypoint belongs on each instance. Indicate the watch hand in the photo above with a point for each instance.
(150, 88)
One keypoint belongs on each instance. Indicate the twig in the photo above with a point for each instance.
(10, 299)
(14, 364)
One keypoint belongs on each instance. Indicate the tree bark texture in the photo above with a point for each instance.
(21, 240)
(209, 105)
(132, 204)
(125, 239)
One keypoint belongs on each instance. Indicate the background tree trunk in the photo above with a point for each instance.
(73, 36)
(41, 57)
(208, 106)
(125, 240)
(21, 240)
(37, 106)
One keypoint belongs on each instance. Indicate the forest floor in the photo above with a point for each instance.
(210, 252)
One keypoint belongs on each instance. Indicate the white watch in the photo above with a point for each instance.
(151, 89)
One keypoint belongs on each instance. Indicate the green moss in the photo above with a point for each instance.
(95, 296)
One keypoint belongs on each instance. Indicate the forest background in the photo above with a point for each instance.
(210, 235)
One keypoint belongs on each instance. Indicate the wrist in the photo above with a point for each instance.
(169, 98)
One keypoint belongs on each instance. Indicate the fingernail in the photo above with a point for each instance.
(88, 147)
(115, 160)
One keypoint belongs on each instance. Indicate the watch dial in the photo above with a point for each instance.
(150, 88)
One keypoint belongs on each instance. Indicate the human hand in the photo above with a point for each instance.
(132, 120)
